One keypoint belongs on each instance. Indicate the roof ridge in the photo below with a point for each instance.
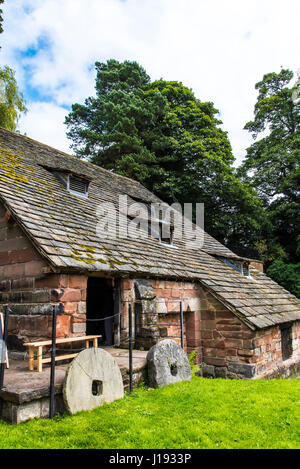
(71, 156)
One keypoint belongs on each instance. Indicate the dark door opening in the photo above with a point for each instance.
(100, 305)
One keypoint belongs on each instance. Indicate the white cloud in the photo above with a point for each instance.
(219, 48)
(44, 123)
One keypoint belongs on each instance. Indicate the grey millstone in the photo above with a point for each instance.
(92, 379)
(167, 364)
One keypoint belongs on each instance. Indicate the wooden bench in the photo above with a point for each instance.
(36, 350)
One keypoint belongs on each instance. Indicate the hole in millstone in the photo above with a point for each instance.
(174, 369)
(97, 387)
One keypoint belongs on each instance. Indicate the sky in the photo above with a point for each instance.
(218, 48)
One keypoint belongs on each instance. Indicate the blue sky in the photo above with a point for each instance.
(218, 48)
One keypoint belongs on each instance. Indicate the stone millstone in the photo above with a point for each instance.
(92, 379)
(167, 364)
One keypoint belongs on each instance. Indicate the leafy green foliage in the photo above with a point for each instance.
(111, 129)
(11, 99)
(203, 413)
(160, 134)
(287, 275)
(273, 161)
(272, 168)
(192, 361)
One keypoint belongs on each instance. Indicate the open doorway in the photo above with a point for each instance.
(100, 305)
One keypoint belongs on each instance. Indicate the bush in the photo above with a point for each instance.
(287, 275)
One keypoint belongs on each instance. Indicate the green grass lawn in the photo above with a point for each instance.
(202, 413)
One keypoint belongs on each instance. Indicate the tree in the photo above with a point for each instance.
(162, 135)
(272, 167)
(197, 160)
(274, 159)
(1, 19)
(111, 128)
(11, 99)
(287, 275)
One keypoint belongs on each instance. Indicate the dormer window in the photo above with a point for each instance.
(78, 185)
(240, 266)
(153, 220)
(245, 269)
(165, 232)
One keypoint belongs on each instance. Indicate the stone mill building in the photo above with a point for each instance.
(240, 322)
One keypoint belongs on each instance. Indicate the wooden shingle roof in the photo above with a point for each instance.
(62, 226)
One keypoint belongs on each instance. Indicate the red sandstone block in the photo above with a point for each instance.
(159, 284)
(25, 283)
(248, 334)
(78, 281)
(217, 335)
(229, 327)
(214, 343)
(165, 293)
(234, 343)
(63, 326)
(225, 314)
(173, 306)
(208, 334)
(14, 271)
(4, 258)
(13, 324)
(127, 296)
(220, 352)
(22, 255)
(70, 294)
(245, 353)
(53, 281)
(257, 342)
(70, 307)
(153, 283)
(188, 285)
(170, 284)
(193, 343)
(231, 352)
(232, 334)
(35, 325)
(207, 324)
(127, 284)
(34, 268)
(248, 344)
(231, 321)
(191, 293)
(214, 361)
(175, 293)
(210, 315)
(214, 352)
(83, 295)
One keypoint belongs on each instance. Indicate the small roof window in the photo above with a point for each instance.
(78, 185)
(240, 266)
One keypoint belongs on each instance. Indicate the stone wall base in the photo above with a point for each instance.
(36, 405)
(38, 408)
(248, 371)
